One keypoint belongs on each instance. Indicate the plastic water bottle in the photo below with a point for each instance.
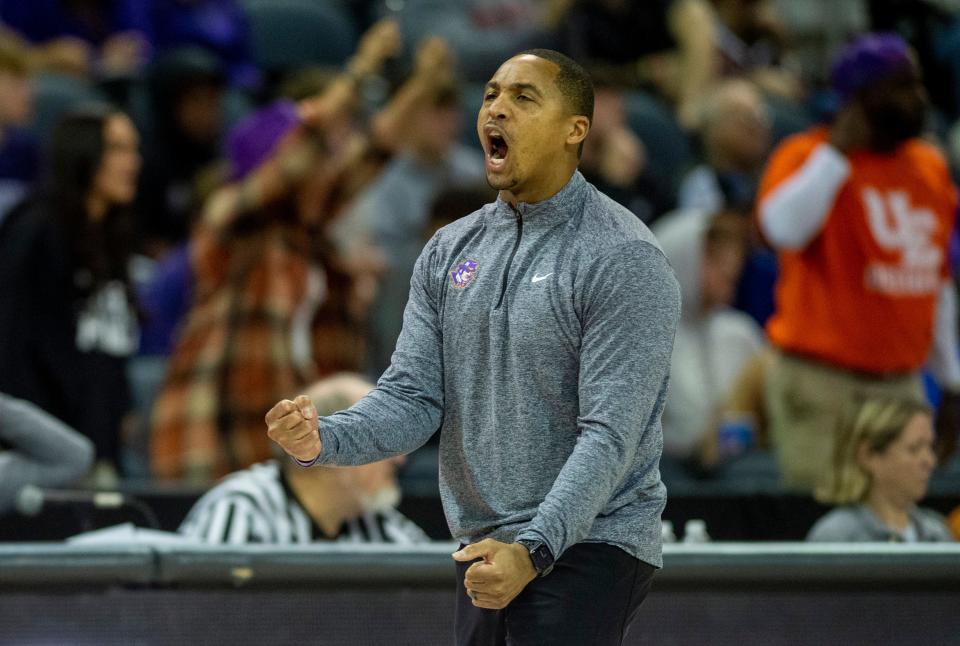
(735, 434)
(695, 531)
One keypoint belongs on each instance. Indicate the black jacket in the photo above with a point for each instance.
(39, 358)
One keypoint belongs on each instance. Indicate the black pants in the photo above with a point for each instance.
(589, 599)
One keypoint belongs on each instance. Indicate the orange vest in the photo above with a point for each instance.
(862, 294)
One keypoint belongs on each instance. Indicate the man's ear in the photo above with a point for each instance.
(579, 127)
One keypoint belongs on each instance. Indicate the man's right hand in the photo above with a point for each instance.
(380, 42)
(434, 58)
(293, 425)
(850, 130)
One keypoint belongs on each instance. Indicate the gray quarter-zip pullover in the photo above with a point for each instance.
(538, 339)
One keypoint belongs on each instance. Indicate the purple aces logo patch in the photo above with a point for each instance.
(464, 273)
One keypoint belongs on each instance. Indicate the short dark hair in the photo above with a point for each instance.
(572, 80)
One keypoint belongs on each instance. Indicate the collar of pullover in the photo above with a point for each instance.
(552, 210)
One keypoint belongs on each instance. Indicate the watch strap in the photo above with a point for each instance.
(540, 555)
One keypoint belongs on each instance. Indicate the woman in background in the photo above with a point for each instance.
(67, 323)
(883, 459)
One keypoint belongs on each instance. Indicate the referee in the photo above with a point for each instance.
(537, 337)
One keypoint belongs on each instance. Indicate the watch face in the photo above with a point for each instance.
(542, 558)
(540, 555)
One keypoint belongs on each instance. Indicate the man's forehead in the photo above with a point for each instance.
(526, 69)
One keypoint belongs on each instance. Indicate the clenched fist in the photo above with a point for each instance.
(502, 574)
(293, 425)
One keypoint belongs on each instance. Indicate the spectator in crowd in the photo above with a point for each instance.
(614, 158)
(220, 27)
(164, 296)
(932, 27)
(734, 135)
(735, 138)
(393, 212)
(481, 32)
(752, 41)
(667, 46)
(817, 29)
(277, 502)
(274, 305)
(714, 342)
(19, 157)
(186, 91)
(37, 449)
(67, 319)
(66, 56)
(882, 461)
(861, 214)
(87, 37)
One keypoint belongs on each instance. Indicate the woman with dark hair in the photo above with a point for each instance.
(67, 323)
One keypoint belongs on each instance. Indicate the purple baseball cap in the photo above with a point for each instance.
(868, 59)
(253, 139)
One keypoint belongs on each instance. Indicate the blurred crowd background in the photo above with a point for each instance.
(209, 205)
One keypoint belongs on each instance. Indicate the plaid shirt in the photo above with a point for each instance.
(234, 358)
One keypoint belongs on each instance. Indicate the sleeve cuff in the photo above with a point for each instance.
(307, 464)
(316, 460)
(535, 536)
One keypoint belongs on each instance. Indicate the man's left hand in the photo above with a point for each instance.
(504, 572)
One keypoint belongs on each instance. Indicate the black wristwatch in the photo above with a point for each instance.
(540, 555)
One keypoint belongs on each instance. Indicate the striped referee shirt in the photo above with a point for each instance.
(257, 505)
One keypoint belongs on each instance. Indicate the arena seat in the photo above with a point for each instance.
(293, 33)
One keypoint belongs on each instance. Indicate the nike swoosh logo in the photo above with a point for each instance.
(537, 279)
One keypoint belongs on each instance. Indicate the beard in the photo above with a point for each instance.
(890, 127)
(381, 500)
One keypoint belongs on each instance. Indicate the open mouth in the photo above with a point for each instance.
(498, 147)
